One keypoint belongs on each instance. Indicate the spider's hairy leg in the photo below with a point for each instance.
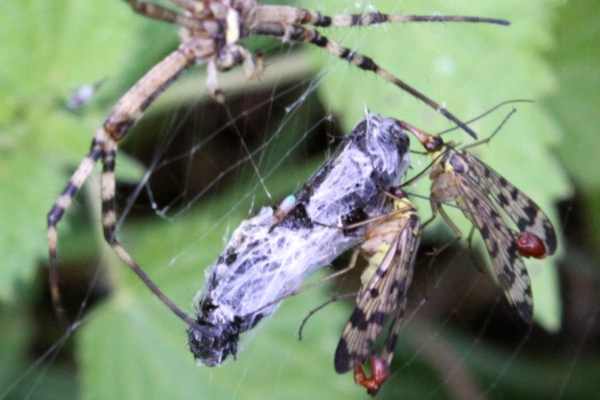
(212, 82)
(123, 116)
(229, 57)
(57, 211)
(233, 55)
(376, 18)
(193, 6)
(109, 225)
(294, 16)
(130, 108)
(152, 10)
(306, 35)
(160, 13)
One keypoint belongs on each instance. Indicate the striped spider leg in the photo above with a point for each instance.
(390, 247)
(480, 192)
(289, 24)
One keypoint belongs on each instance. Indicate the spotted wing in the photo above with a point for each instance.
(500, 241)
(524, 212)
(383, 295)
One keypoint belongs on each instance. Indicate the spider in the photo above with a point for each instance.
(211, 31)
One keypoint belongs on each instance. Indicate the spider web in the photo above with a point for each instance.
(207, 167)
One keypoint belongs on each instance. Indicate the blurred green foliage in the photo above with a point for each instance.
(129, 346)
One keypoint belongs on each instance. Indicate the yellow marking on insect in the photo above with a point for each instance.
(399, 206)
(373, 263)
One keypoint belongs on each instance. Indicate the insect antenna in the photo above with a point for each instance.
(490, 137)
(318, 308)
(487, 112)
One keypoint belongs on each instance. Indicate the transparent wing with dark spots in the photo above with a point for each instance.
(524, 212)
(385, 294)
(500, 241)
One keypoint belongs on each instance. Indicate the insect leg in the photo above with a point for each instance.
(474, 260)
(348, 268)
(457, 232)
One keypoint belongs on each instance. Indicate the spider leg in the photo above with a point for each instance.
(376, 18)
(130, 108)
(124, 115)
(160, 13)
(234, 55)
(193, 6)
(307, 35)
(57, 212)
(154, 11)
(212, 82)
(229, 57)
(300, 16)
(109, 224)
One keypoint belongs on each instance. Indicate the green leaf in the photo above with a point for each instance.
(469, 68)
(575, 59)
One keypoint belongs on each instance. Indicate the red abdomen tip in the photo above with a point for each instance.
(379, 374)
(530, 245)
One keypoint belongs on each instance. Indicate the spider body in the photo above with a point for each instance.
(268, 256)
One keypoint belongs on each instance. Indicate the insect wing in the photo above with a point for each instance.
(500, 241)
(384, 294)
(524, 212)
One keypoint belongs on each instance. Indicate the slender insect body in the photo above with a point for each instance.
(485, 198)
(270, 254)
(390, 248)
